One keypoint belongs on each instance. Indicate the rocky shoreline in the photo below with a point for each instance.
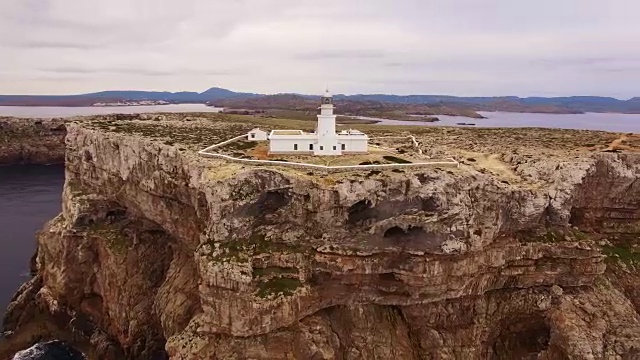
(529, 250)
(32, 141)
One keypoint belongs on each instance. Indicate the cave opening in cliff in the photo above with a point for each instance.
(397, 233)
(360, 211)
(521, 338)
(430, 205)
(577, 216)
(268, 203)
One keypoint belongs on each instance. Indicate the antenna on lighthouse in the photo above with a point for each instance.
(326, 92)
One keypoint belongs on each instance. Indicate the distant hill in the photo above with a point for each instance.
(121, 95)
(572, 104)
(224, 97)
(346, 105)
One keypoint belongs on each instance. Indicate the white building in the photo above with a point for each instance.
(324, 141)
(257, 135)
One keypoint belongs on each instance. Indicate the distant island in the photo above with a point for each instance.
(399, 107)
(132, 103)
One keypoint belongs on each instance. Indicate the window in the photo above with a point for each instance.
(253, 135)
(344, 147)
(295, 146)
(334, 147)
(310, 146)
(321, 147)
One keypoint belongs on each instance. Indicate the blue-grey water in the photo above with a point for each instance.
(589, 121)
(51, 350)
(60, 111)
(30, 195)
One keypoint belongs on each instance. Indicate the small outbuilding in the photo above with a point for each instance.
(257, 135)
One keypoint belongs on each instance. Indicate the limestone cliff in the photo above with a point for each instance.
(159, 252)
(31, 141)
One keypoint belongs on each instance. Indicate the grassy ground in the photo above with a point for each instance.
(494, 150)
(260, 151)
(207, 128)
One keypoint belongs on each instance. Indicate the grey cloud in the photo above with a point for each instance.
(597, 64)
(463, 47)
(341, 54)
(55, 44)
(135, 71)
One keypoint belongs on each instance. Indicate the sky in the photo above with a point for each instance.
(452, 47)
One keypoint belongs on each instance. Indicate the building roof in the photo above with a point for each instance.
(350, 132)
(287, 132)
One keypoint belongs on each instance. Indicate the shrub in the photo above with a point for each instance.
(396, 160)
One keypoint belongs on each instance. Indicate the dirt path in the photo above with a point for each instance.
(494, 164)
(618, 144)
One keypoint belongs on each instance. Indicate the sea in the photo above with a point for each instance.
(588, 121)
(60, 111)
(626, 123)
(30, 195)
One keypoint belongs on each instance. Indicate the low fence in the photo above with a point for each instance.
(224, 143)
(411, 137)
(206, 153)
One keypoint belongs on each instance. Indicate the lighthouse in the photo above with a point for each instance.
(324, 141)
(326, 127)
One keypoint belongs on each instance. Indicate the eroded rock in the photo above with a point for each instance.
(161, 253)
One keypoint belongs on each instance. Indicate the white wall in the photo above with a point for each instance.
(326, 144)
(287, 145)
(352, 144)
(257, 135)
(359, 144)
(326, 125)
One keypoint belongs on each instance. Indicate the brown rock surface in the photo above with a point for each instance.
(31, 141)
(522, 253)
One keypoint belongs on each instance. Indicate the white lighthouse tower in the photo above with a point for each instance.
(326, 128)
(325, 140)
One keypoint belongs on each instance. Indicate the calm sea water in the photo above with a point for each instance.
(589, 121)
(29, 196)
(53, 111)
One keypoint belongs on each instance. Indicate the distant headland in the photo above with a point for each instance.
(398, 106)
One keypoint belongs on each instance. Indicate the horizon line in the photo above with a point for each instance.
(337, 94)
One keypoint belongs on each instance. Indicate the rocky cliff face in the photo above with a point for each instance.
(161, 253)
(31, 141)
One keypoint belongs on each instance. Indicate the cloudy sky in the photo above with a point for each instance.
(457, 47)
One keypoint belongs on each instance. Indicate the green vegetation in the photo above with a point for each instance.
(116, 241)
(396, 160)
(293, 114)
(553, 236)
(277, 287)
(240, 145)
(241, 250)
(550, 237)
(623, 254)
(198, 136)
(75, 187)
(580, 235)
(273, 270)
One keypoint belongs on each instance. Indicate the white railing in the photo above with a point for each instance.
(413, 140)
(206, 153)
